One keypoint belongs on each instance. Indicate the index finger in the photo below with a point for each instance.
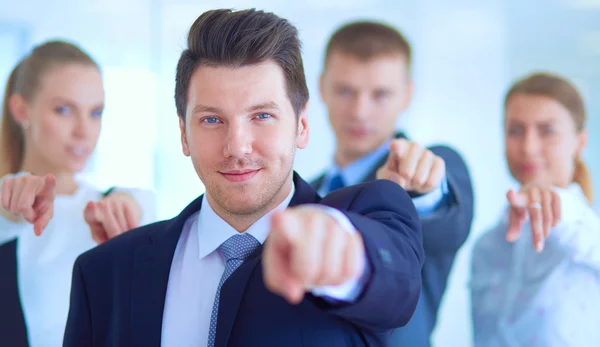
(535, 218)
(399, 148)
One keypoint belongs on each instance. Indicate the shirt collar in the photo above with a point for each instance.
(355, 172)
(212, 230)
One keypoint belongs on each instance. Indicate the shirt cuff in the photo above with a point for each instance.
(350, 290)
(428, 203)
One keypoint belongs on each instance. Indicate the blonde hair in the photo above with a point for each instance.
(25, 81)
(562, 91)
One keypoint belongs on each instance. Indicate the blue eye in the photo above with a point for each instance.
(62, 110)
(344, 91)
(211, 120)
(263, 116)
(548, 132)
(97, 114)
(380, 94)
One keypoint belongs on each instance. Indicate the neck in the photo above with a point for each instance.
(242, 221)
(343, 158)
(65, 181)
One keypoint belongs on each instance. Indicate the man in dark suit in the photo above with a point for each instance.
(339, 271)
(366, 85)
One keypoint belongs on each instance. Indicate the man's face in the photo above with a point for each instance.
(364, 99)
(241, 132)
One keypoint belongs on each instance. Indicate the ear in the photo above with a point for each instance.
(303, 131)
(18, 108)
(184, 145)
(582, 139)
(322, 86)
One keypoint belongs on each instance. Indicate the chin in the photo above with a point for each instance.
(242, 207)
(75, 167)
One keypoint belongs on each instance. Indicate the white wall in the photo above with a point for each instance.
(466, 54)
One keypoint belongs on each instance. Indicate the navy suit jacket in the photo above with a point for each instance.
(118, 290)
(444, 232)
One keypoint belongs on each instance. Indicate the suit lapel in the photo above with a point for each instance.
(232, 291)
(317, 183)
(151, 268)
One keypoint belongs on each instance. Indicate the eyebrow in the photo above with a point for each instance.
(72, 104)
(270, 105)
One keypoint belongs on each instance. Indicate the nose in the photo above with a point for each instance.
(531, 143)
(239, 138)
(360, 107)
(82, 127)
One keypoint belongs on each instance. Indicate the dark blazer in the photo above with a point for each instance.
(13, 331)
(118, 290)
(444, 232)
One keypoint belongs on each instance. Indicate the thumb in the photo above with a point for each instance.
(385, 173)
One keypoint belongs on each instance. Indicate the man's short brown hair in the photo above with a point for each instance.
(367, 39)
(242, 38)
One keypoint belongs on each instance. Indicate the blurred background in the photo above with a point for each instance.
(466, 53)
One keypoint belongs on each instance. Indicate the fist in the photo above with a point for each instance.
(538, 203)
(307, 248)
(30, 197)
(413, 167)
(112, 216)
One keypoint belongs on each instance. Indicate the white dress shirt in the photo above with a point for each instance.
(45, 262)
(197, 268)
(551, 299)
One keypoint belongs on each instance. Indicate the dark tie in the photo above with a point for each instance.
(336, 182)
(235, 250)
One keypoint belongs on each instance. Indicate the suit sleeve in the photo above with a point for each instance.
(78, 331)
(446, 229)
(393, 243)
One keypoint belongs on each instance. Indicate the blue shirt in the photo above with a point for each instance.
(550, 299)
(357, 171)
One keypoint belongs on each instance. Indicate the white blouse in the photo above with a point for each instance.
(45, 263)
(550, 299)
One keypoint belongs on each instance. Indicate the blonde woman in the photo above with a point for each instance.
(51, 119)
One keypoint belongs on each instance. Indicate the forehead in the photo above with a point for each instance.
(235, 89)
(389, 68)
(79, 83)
(535, 109)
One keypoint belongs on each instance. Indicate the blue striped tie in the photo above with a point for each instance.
(235, 250)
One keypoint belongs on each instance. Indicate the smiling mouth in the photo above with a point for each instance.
(78, 152)
(239, 175)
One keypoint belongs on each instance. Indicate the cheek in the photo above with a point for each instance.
(559, 156)
(276, 141)
(336, 115)
(206, 148)
(97, 128)
(513, 151)
(50, 132)
(387, 114)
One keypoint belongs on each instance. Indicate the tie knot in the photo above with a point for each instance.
(336, 182)
(239, 246)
